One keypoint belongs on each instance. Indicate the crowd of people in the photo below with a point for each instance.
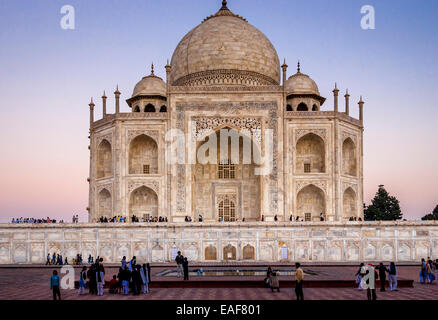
(133, 219)
(35, 220)
(57, 259)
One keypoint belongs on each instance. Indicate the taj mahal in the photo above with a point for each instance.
(226, 74)
(288, 193)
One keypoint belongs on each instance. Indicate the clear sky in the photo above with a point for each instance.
(49, 74)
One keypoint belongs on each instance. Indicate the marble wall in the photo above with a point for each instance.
(268, 241)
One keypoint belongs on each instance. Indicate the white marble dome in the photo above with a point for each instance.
(225, 49)
(150, 85)
(301, 83)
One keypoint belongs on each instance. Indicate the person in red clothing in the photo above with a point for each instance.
(114, 285)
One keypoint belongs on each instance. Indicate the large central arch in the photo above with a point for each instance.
(211, 182)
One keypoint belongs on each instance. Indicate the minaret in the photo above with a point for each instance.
(91, 113)
(347, 103)
(117, 95)
(361, 103)
(335, 95)
(168, 68)
(104, 104)
(284, 68)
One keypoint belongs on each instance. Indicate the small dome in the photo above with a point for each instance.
(225, 46)
(150, 85)
(301, 83)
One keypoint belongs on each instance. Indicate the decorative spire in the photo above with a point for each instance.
(224, 11)
(152, 69)
(91, 103)
(224, 4)
(298, 67)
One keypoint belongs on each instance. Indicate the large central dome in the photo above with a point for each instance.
(225, 50)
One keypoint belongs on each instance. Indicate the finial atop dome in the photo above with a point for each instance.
(224, 11)
(152, 69)
(298, 67)
(224, 4)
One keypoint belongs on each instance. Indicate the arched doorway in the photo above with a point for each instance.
(227, 210)
(349, 158)
(143, 203)
(349, 204)
(310, 203)
(143, 155)
(310, 154)
(104, 160)
(104, 206)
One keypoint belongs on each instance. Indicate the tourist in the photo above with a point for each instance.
(123, 262)
(114, 285)
(291, 218)
(392, 274)
(299, 278)
(144, 274)
(423, 272)
(82, 277)
(179, 259)
(371, 285)
(136, 280)
(132, 263)
(100, 279)
(268, 276)
(92, 284)
(275, 218)
(321, 216)
(66, 260)
(48, 259)
(148, 267)
(359, 276)
(54, 258)
(263, 217)
(186, 268)
(274, 282)
(54, 285)
(430, 271)
(382, 274)
(126, 277)
(436, 270)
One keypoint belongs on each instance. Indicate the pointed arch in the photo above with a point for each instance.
(310, 203)
(310, 154)
(104, 207)
(349, 204)
(302, 107)
(248, 252)
(315, 107)
(163, 109)
(289, 108)
(149, 108)
(104, 160)
(143, 202)
(143, 155)
(349, 162)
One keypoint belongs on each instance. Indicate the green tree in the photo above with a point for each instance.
(383, 207)
(431, 216)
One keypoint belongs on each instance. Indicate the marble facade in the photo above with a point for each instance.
(215, 242)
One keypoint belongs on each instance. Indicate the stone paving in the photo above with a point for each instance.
(33, 284)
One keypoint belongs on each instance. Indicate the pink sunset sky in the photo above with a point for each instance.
(49, 74)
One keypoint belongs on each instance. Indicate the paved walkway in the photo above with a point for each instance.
(33, 284)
